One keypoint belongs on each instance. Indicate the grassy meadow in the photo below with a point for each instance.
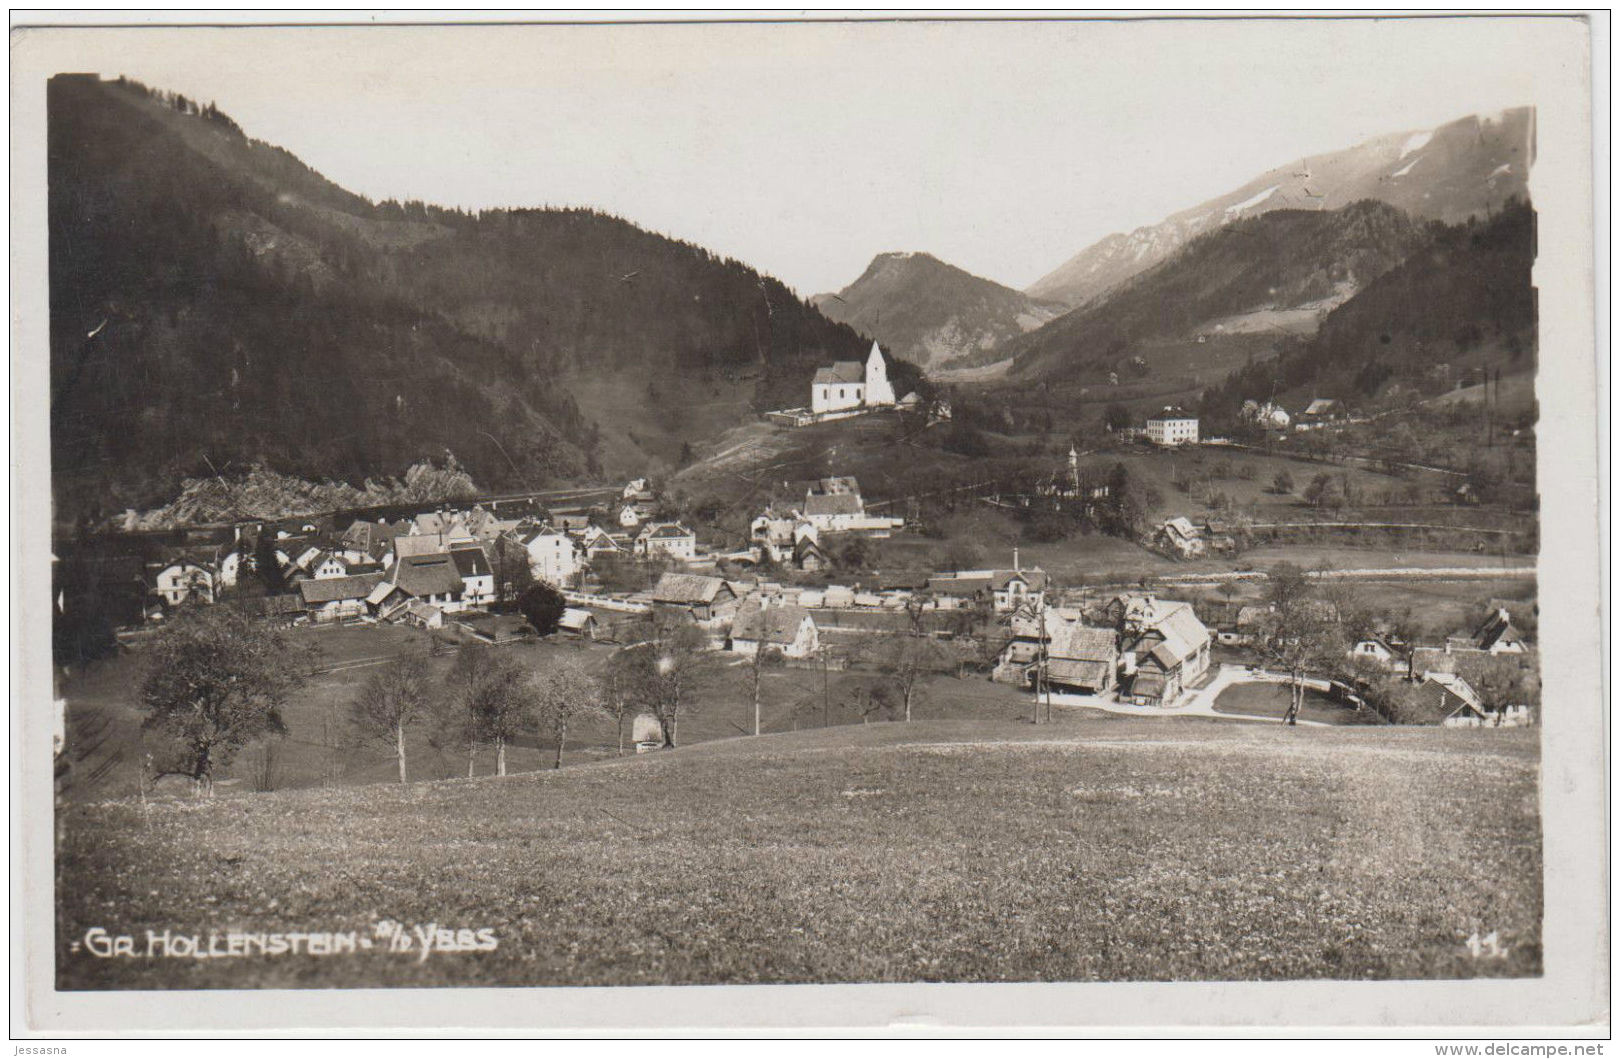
(1087, 850)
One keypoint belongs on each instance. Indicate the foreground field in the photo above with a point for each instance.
(946, 850)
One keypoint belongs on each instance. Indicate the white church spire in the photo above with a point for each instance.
(879, 392)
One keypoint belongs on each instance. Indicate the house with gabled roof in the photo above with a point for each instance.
(783, 626)
(554, 555)
(477, 576)
(433, 578)
(667, 538)
(1498, 636)
(1081, 658)
(700, 595)
(335, 598)
(1005, 590)
(1166, 648)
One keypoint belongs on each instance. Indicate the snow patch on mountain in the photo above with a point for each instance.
(1415, 142)
(1253, 201)
(1407, 168)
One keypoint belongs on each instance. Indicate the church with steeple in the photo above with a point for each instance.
(849, 384)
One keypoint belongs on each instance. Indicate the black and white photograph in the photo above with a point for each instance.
(809, 502)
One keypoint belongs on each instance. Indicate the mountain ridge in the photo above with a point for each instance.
(1462, 168)
(929, 311)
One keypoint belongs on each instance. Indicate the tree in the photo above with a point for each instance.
(666, 668)
(392, 700)
(215, 680)
(905, 656)
(1500, 680)
(490, 704)
(620, 688)
(764, 658)
(513, 574)
(1282, 483)
(542, 606)
(1116, 417)
(1299, 633)
(1325, 491)
(565, 692)
(267, 565)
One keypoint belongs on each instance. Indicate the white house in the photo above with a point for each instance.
(477, 578)
(1172, 427)
(184, 579)
(330, 565)
(848, 384)
(1372, 649)
(669, 538)
(553, 554)
(787, 628)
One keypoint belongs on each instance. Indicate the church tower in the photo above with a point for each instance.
(879, 393)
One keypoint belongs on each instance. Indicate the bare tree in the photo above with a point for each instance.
(392, 700)
(490, 704)
(906, 656)
(564, 693)
(666, 667)
(620, 690)
(764, 658)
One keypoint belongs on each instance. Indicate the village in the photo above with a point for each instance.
(806, 593)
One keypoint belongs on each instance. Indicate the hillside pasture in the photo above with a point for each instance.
(939, 851)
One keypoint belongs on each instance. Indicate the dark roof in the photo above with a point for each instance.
(774, 624)
(432, 574)
(329, 589)
(470, 562)
(842, 371)
(1498, 627)
(667, 531)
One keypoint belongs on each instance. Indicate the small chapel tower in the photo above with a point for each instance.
(879, 392)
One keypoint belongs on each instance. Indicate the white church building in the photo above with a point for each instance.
(848, 385)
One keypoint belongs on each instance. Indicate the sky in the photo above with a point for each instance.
(805, 149)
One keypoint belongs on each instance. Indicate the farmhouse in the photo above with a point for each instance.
(1167, 648)
(432, 578)
(702, 596)
(1320, 411)
(336, 598)
(849, 384)
(1082, 658)
(786, 627)
(1181, 538)
(1172, 427)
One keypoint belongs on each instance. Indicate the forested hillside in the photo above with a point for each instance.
(1463, 300)
(1280, 260)
(215, 304)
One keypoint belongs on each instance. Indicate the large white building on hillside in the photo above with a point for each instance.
(848, 384)
(1172, 427)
